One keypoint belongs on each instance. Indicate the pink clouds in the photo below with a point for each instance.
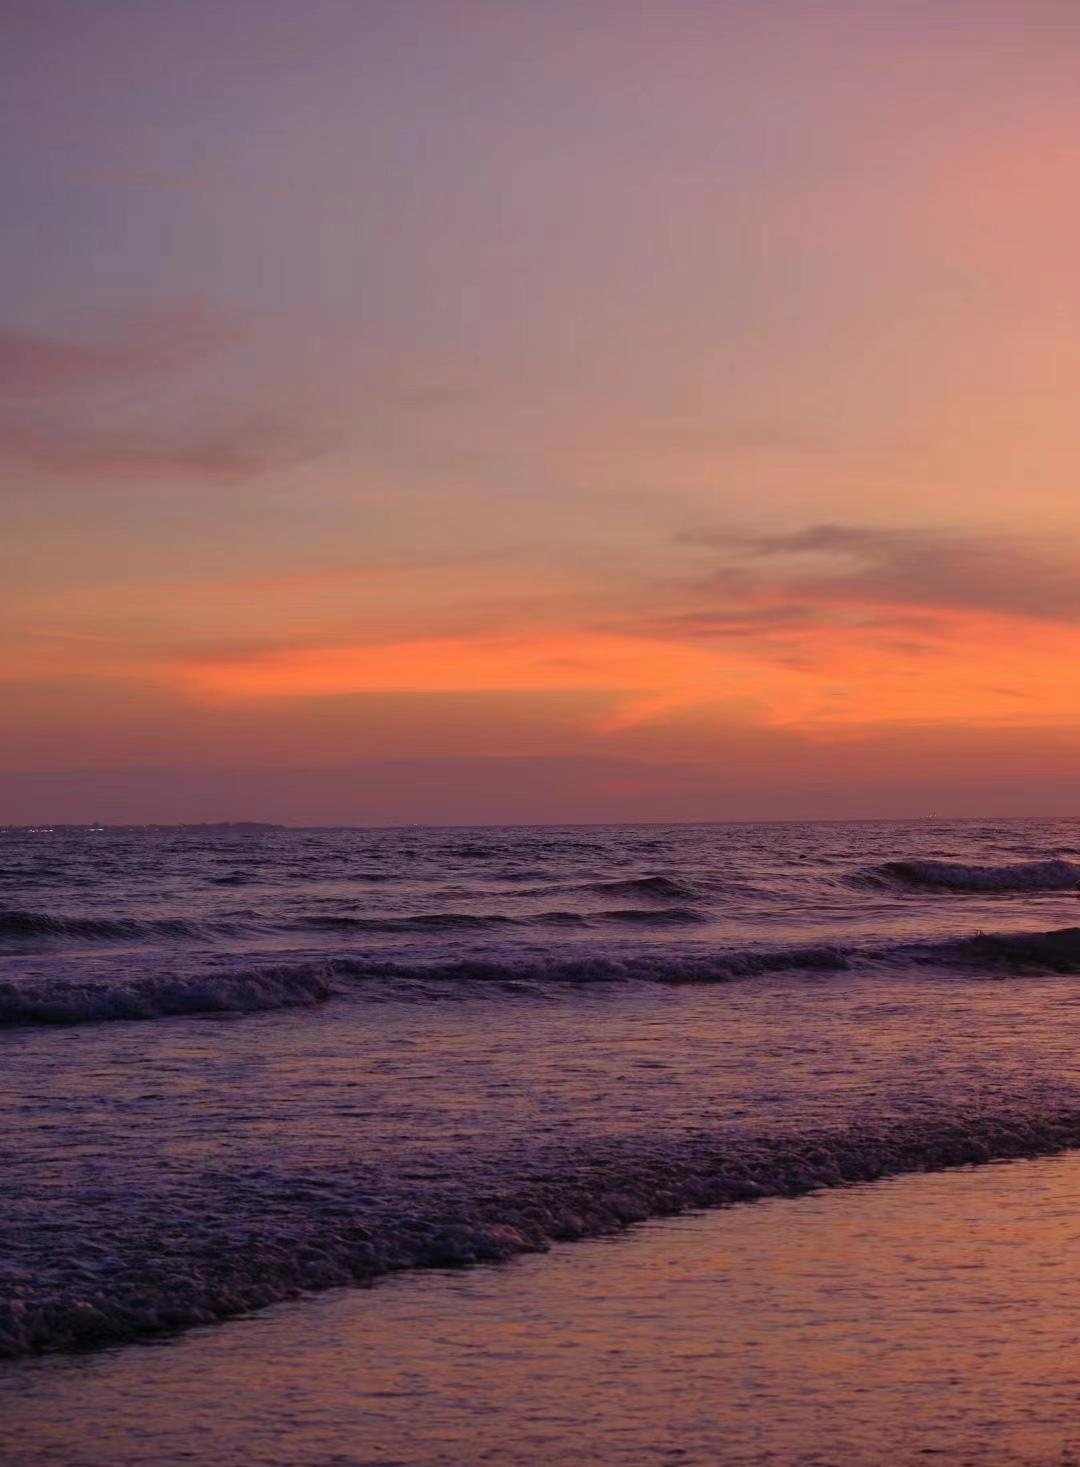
(83, 406)
(925, 569)
(130, 346)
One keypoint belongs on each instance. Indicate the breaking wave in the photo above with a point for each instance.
(652, 965)
(63, 1001)
(425, 922)
(1016, 952)
(652, 888)
(1055, 875)
(480, 921)
(1056, 951)
(20, 927)
(655, 916)
(253, 1248)
(36, 1001)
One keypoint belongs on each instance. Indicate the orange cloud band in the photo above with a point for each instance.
(975, 668)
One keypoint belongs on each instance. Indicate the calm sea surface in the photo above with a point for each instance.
(243, 1064)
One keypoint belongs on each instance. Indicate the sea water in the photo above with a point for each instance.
(244, 1064)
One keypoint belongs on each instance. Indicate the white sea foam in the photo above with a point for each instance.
(1056, 875)
(252, 1252)
(64, 1001)
(253, 989)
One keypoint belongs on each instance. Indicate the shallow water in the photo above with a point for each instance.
(927, 1318)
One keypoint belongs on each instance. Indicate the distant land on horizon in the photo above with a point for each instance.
(240, 825)
(255, 827)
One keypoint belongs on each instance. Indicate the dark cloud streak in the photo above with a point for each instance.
(50, 394)
(234, 453)
(36, 365)
(832, 565)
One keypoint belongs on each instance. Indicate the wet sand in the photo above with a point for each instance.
(928, 1318)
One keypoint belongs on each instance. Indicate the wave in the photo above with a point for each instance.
(1020, 953)
(655, 916)
(425, 922)
(1017, 952)
(64, 1001)
(21, 926)
(651, 965)
(479, 921)
(55, 1001)
(249, 990)
(257, 1246)
(1057, 875)
(654, 888)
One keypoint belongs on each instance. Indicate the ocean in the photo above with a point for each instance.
(246, 1064)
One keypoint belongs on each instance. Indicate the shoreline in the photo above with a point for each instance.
(933, 1312)
(323, 1245)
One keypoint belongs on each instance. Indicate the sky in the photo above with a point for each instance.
(479, 411)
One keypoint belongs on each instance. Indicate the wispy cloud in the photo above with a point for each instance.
(233, 453)
(45, 365)
(835, 566)
(56, 391)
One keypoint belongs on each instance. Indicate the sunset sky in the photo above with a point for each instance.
(483, 410)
